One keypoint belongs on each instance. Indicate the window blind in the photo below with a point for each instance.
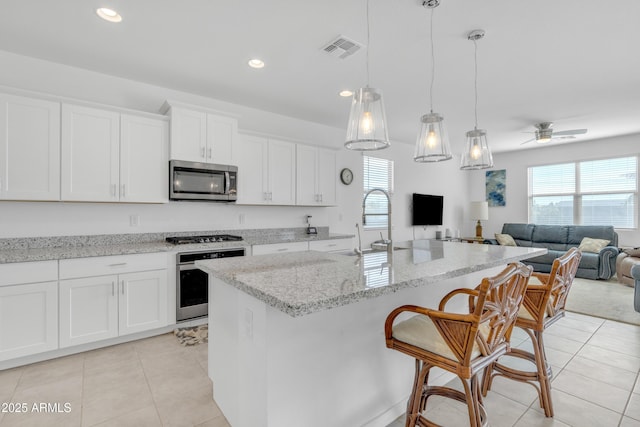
(377, 173)
(594, 192)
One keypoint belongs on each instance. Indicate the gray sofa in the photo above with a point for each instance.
(635, 273)
(558, 238)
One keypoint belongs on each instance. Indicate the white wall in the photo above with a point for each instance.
(517, 162)
(26, 219)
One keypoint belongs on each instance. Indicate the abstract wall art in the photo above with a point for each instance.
(496, 187)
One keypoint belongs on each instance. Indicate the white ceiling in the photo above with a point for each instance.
(573, 62)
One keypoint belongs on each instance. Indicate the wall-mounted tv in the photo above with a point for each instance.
(427, 209)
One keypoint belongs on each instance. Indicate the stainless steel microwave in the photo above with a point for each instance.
(202, 181)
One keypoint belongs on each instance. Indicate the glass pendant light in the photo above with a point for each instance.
(432, 144)
(477, 154)
(367, 128)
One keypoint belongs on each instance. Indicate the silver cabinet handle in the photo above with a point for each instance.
(114, 187)
(113, 289)
(119, 264)
(283, 250)
(202, 152)
(122, 193)
(122, 286)
(210, 152)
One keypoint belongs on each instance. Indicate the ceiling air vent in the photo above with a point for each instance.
(342, 47)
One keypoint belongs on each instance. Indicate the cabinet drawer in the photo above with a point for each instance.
(331, 245)
(276, 248)
(28, 272)
(118, 264)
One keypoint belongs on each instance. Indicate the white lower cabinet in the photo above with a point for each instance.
(142, 301)
(88, 310)
(28, 311)
(330, 245)
(101, 307)
(334, 245)
(276, 248)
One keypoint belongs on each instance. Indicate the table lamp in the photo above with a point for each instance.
(479, 211)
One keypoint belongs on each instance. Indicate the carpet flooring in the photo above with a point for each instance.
(607, 299)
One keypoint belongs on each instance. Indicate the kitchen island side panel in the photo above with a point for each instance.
(327, 368)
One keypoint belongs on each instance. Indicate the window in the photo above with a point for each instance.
(377, 173)
(595, 192)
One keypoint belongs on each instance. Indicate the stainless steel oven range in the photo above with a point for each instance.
(192, 284)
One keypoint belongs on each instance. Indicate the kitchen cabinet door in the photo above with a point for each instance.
(315, 176)
(29, 149)
(282, 172)
(306, 175)
(142, 301)
(188, 135)
(88, 310)
(222, 134)
(253, 170)
(327, 176)
(90, 154)
(144, 160)
(28, 319)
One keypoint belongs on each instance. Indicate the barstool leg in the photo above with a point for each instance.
(417, 399)
(544, 373)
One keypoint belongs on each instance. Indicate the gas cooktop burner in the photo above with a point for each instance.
(182, 240)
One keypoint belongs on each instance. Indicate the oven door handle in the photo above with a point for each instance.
(188, 266)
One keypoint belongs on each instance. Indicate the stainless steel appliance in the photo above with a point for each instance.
(192, 284)
(202, 181)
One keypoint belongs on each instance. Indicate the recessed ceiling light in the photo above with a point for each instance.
(109, 14)
(346, 93)
(256, 63)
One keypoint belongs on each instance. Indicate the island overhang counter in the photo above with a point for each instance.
(297, 339)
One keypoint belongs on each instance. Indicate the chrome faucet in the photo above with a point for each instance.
(388, 214)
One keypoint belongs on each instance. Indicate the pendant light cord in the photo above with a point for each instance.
(368, 39)
(475, 46)
(433, 63)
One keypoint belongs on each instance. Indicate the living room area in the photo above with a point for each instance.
(605, 297)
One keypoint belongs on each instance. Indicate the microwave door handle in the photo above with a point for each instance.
(227, 183)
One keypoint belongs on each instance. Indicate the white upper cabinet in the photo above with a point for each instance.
(29, 149)
(90, 154)
(315, 176)
(266, 171)
(144, 163)
(104, 160)
(199, 136)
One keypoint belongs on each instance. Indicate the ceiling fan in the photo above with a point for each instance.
(545, 133)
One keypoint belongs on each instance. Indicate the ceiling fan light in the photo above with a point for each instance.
(432, 144)
(543, 136)
(367, 129)
(476, 154)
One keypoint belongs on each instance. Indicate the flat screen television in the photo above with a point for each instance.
(427, 209)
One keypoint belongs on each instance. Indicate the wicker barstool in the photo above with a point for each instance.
(463, 344)
(544, 303)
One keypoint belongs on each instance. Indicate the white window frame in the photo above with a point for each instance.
(577, 193)
(377, 172)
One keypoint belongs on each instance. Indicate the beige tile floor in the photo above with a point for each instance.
(158, 382)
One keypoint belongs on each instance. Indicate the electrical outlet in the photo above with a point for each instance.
(134, 220)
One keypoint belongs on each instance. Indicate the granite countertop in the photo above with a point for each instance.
(67, 247)
(302, 283)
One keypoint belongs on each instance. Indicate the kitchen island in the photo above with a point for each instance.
(297, 339)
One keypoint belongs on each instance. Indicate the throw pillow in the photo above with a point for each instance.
(505, 239)
(632, 252)
(592, 245)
